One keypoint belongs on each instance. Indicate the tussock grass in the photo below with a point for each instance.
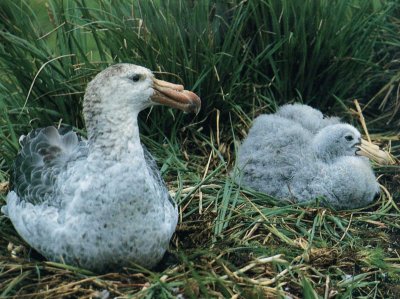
(243, 58)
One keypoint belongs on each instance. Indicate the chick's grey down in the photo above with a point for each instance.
(297, 154)
(99, 203)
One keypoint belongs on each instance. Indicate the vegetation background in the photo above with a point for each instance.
(243, 58)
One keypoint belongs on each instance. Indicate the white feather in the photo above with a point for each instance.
(99, 204)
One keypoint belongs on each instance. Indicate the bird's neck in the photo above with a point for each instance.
(115, 137)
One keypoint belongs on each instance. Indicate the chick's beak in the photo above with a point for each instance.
(175, 96)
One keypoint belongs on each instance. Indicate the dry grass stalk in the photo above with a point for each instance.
(367, 148)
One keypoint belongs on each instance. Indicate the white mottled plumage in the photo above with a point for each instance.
(99, 204)
(296, 154)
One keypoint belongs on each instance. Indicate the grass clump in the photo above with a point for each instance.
(243, 58)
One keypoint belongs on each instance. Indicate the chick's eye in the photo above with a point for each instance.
(349, 138)
(135, 78)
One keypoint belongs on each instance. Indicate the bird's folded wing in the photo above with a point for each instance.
(45, 153)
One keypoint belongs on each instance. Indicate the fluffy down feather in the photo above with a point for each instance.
(304, 156)
(310, 118)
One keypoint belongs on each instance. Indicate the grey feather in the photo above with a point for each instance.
(310, 118)
(271, 155)
(294, 158)
(153, 170)
(348, 183)
(44, 154)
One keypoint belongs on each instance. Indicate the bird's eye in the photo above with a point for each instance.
(135, 78)
(349, 138)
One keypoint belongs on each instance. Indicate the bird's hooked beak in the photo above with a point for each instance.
(373, 152)
(175, 96)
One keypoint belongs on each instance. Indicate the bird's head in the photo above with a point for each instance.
(336, 140)
(133, 87)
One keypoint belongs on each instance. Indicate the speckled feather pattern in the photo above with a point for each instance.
(99, 204)
(296, 154)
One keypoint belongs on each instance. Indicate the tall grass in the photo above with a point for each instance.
(243, 58)
(240, 56)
